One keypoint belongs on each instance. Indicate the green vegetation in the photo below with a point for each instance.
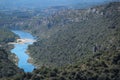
(102, 66)
(6, 36)
(7, 68)
(72, 45)
(75, 35)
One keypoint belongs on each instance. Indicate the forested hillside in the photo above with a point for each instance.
(7, 68)
(72, 44)
(6, 36)
(90, 47)
(72, 35)
(7, 59)
(102, 66)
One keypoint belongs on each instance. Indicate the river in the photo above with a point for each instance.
(20, 51)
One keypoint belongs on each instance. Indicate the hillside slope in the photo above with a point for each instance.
(7, 59)
(72, 35)
(7, 68)
(74, 45)
(102, 66)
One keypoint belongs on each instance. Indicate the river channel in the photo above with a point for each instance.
(20, 51)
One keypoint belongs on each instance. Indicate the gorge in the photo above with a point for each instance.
(20, 50)
(72, 44)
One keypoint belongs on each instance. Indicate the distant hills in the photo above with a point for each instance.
(22, 4)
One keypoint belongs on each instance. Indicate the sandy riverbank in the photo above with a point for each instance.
(22, 41)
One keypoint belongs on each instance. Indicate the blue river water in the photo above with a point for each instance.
(20, 51)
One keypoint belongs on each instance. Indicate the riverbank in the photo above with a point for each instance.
(20, 49)
(22, 41)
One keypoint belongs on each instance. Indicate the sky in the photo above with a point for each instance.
(45, 3)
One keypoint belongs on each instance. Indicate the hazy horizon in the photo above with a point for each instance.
(46, 3)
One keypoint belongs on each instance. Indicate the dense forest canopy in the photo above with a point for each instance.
(7, 36)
